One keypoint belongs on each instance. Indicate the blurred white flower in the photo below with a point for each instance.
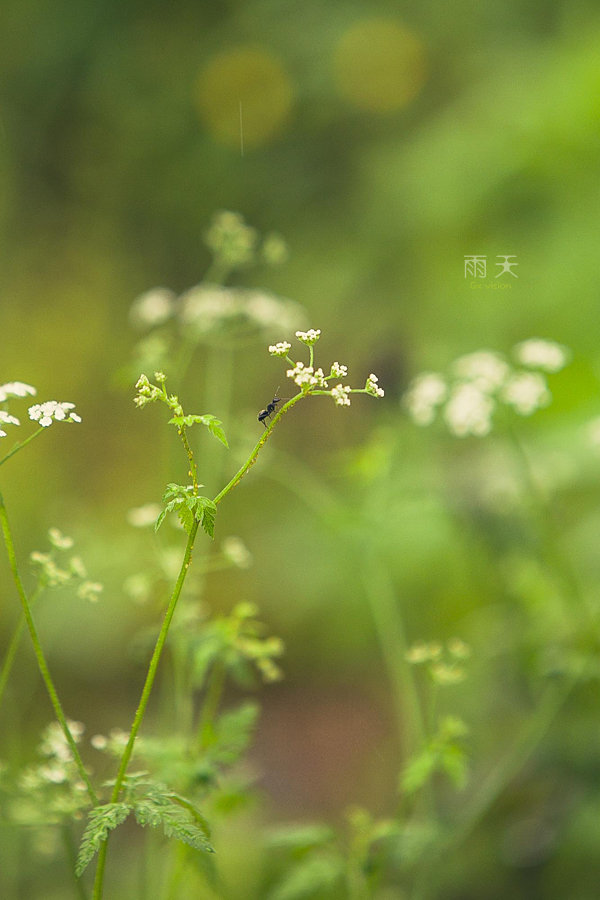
(486, 369)
(143, 516)
(424, 395)
(152, 308)
(15, 389)
(6, 419)
(469, 411)
(537, 353)
(234, 549)
(526, 392)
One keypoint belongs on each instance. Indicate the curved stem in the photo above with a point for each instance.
(259, 445)
(20, 445)
(14, 646)
(39, 653)
(145, 696)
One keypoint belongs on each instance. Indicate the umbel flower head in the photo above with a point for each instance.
(313, 380)
(53, 411)
(481, 381)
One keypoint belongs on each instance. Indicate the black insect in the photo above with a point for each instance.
(268, 412)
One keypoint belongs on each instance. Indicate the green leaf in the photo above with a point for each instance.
(160, 520)
(418, 771)
(314, 878)
(301, 837)
(214, 426)
(177, 816)
(102, 819)
(205, 513)
(233, 733)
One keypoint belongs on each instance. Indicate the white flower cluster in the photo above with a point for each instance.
(309, 337)
(53, 411)
(209, 308)
(6, 419)
(372, 387)
(307, 376)
(52, 574)
(480, 381)
(338, 371)
(280, 349)
(340, 395)
(15, 389)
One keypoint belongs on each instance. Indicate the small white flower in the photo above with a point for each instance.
(469, 411)
(280, 349)
(537, 353)
(484, 368)
(15, 389)
(52, 410)
(152, 308)
(372, 387)
(309, 337)
(526, 392)
(306, 375)
(338, 371)
(7, 419)
(90, 591)
(99, 741)
(340, 395)
(424, 395)
(143, 516)
(59, 540)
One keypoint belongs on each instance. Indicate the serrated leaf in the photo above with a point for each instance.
(214, 425)
(233, 732)
(205, 513)
(184, 823)
(186, 517)
(102, 819)
(160, 520)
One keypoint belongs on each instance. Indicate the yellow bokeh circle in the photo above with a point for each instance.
(244, 96)
(379, 65)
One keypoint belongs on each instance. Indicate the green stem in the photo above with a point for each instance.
(39, 653)
(259, 445)
(20, 445)
(212, 699)
(14, 646)
(145, 696)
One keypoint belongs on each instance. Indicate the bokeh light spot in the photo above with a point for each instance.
(252, 78)
(379, 65)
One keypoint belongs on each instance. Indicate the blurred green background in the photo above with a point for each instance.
(385, 142)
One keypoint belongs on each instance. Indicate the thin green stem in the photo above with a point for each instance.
(193, 473)
(259, 445)
(11, 653)
(20, 445)
(145, 696)
(212, 699)
(39, 653)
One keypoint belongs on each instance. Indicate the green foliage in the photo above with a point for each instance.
(213, 424)
(189, 508)
(443, 753)
(156, 806)
(318, 876)
(101, 820)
